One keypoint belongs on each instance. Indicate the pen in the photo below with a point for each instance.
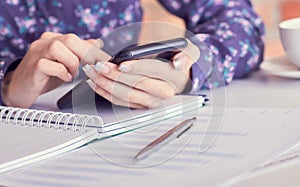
(171, 134)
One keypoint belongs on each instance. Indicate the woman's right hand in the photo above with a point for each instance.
(51, 60)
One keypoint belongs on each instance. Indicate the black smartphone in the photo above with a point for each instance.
(163, 50)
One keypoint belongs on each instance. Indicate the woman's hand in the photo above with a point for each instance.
(142, 83)
(50, 61)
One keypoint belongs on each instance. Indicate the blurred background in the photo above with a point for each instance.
(271, 11)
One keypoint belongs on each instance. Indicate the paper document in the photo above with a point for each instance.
(248, 138)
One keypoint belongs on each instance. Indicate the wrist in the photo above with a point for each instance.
(5, 88)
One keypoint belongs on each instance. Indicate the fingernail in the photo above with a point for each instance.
(100, 67)
(179, 62)
(99, 43)
(124, 68)
(89, 71)
(91, 84)
(70, 77)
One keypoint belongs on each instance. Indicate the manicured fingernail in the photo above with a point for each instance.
(91, 84)
(89, 71)
(99, 43)
(179, 62)
(124, 68)
(100, 67)
(70, 77)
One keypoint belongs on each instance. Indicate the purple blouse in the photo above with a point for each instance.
(230, 29)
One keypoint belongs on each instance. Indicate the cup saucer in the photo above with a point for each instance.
(281, 67)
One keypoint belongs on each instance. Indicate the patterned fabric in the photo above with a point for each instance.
(229, 28)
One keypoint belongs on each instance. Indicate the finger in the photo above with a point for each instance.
(153, 68)
(59, 52)
(83, 49)
(95, 54)
(48, 35)
(157, 70)
(47, 68)
(100, 55)
(147, 67)
(192, 52)
(155, 87)
(111, 98)
(75, 44)
(98, 43)
(90, 72)
(103, 67)
(123, 92)
(180, 61)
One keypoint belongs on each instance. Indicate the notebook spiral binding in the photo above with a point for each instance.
(49, 119)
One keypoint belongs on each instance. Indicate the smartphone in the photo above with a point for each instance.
(163, 50)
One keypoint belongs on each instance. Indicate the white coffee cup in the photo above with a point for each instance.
(290, 38)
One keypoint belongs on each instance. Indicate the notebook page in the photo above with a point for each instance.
(109, 113)
(113, 114)
(118, 119)
(248, 138)
(23, 145)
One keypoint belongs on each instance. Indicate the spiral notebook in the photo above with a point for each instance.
(28, 136)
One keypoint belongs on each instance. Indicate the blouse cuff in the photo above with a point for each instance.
(6, 66)
(202, 69)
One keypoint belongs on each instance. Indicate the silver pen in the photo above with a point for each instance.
(171, 134)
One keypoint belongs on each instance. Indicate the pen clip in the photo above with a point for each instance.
(176, 131)
(184, 130)
(180, 130)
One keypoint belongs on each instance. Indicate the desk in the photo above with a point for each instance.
(263, 90)
(259, 90)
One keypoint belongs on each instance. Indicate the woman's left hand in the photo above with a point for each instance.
(142, 83)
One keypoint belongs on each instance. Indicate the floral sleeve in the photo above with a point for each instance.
(231, 30)
(7, 56)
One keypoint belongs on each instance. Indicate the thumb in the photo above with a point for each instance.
(181, 61)
(98, 43)
(186, 58)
